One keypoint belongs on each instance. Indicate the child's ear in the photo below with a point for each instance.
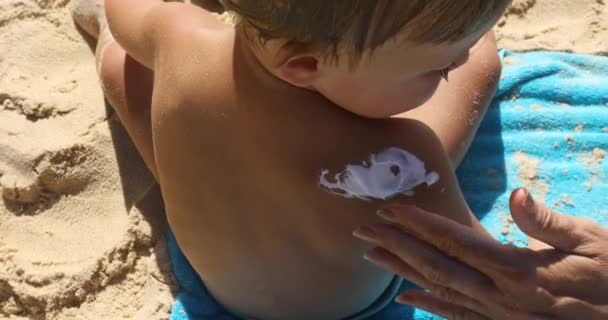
(300, 70)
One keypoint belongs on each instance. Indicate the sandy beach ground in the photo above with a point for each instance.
(81, 223)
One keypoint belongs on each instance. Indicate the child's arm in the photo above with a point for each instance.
(458, 106)
(144, 27)
(132, 24)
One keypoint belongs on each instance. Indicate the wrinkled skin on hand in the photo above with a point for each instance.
(469, 275)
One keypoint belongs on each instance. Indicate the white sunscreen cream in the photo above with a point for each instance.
(389, 173)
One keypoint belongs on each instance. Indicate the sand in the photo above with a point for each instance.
(578, 26)
(75, 243)
(528, 176)
(81, 222)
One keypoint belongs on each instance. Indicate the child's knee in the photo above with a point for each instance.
(110, 67)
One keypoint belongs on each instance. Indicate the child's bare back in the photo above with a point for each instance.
(240, 153)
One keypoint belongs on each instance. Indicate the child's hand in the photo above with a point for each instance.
(471, 276)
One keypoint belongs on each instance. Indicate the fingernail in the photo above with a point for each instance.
(376, 255)
(387, 214)
(528, 201)
(365, 233)
(370, 258)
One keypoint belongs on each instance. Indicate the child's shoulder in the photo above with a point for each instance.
(148, 29)
(183, 17)
(194, 51)
(181, 27)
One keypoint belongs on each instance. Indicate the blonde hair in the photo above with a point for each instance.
(354, 26)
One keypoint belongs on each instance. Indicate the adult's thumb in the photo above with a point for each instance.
(563, 232)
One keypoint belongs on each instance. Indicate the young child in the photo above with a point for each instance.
(243, 127)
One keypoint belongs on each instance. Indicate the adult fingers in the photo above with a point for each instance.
(492, 311)
(394, 264)
(436, 267)
(512, 270)
(455, 240)
(572, 308)
(537, 245)
(563, 232)
(435, 304)
(456, 298)
(432, 303)
(427, 301)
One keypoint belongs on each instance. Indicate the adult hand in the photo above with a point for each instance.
(469, 275)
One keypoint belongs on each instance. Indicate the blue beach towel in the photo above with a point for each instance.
(546, 129)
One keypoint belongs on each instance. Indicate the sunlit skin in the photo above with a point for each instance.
(562, 276)
(237, 138)
(389, 80)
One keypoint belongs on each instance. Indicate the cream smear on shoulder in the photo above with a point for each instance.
(389, 173)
